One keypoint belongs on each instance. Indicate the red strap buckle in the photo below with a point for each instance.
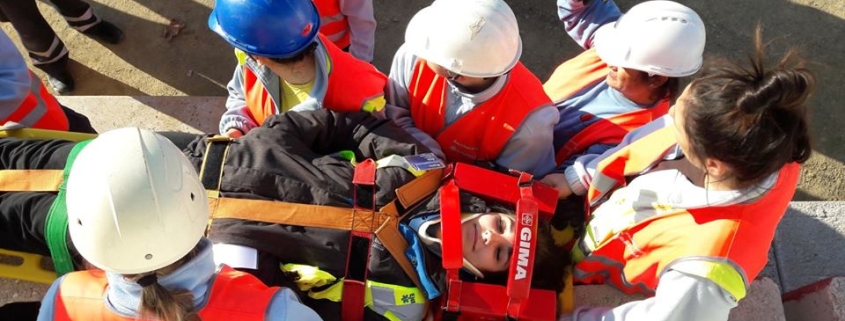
(354, 282)
(365, 173)
(453, 301)
(352, 305)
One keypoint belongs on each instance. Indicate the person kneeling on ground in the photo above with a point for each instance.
(285, 64)
(604, 93)
(136, 209)
(458, 86)
(685, 209)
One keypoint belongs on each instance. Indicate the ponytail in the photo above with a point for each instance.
(752, 118)
(157, 302)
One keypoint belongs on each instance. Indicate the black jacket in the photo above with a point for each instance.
(291, 158)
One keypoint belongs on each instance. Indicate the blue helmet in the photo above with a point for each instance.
(267, 28)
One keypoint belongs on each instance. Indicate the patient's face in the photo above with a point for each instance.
(488, 241)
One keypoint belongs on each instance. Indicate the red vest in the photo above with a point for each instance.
(480, 134)
(39, 108)
(235, 295)
(351, 84)
(634, 259)
(333, 23)
(584, 71)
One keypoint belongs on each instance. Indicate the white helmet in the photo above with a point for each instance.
(474, 38)
(134, 202)
(660, 37)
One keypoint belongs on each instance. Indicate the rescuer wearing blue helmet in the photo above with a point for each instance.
(285, 64)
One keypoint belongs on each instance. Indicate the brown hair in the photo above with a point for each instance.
(753, 119)
(158, 302)
(552, 260)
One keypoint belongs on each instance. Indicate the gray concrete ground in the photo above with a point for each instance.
(20, 291)
(762, 303)
(810, 244)
(824, 300)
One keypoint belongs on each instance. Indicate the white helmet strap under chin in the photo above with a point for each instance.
(427, 239)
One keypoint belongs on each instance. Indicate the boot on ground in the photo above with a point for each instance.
(106, 32)
(61, 81)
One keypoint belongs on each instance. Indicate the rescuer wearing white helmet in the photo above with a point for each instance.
(684, 210)
(627, 77)
(137, 210)
(458, 86)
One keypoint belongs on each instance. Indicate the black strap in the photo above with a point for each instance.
(211, 171)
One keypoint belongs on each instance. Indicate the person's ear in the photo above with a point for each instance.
(656, 81)
(261, 60)
(716, 168)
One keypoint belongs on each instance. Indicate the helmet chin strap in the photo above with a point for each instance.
(430, 239)
(471, 268)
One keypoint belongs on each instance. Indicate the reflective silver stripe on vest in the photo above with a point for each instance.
(602, 184)
(331, 19)
(712, 259)
(384, 300)
(614, 267)
(338, 36)
(40, 108)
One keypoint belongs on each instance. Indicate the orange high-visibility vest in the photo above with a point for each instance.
(738, 235)
(481, 134)
(333, 23)
(235, 295)
(39, 108)
(584, 71)
(351, 84)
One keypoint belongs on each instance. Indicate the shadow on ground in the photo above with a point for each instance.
(96, 82)
(809, 244)
(180, 62)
